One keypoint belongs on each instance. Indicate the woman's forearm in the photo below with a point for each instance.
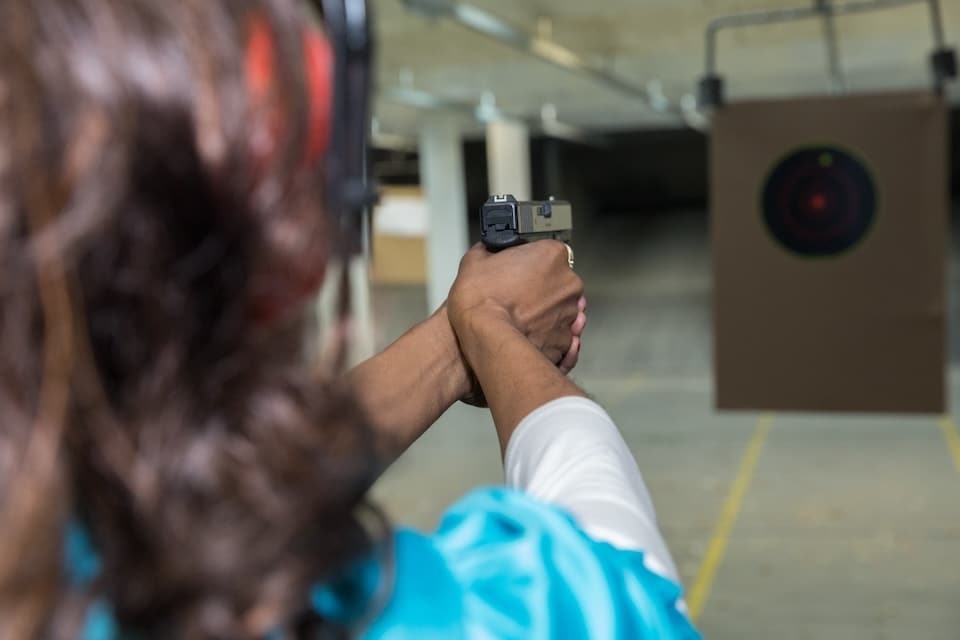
(404, 389)
(515, 376)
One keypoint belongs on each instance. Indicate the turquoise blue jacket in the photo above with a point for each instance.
(501, 566)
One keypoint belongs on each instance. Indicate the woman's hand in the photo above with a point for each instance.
(570, 360)
(527, 294)
(475, 396)
(513, 313)
(530, 288)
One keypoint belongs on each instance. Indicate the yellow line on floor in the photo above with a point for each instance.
(952, 438)
(728, 517)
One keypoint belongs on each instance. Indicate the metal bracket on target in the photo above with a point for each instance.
(943, 59)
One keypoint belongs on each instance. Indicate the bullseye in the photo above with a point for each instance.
(819, 201)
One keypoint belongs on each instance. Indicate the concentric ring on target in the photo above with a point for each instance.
(819, 201)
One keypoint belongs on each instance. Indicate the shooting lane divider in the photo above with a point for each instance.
(716, 549)
(952, 438)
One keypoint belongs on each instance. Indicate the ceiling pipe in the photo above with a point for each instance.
(488, 24)
(486, 110)
(420, 99)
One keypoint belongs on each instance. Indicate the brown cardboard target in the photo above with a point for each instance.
(829, 222)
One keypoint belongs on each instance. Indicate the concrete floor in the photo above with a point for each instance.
(850, 526)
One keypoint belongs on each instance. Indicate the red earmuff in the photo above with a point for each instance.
(260, 72)
(296, 277)
(319, 72)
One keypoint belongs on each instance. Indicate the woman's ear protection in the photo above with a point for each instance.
(260, 69)
(337, 70)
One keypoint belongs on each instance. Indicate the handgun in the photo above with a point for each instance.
(507, 222)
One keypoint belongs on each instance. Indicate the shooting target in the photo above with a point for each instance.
(828, 219)
(819, 201)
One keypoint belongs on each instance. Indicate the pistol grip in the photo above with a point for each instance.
(502, 240)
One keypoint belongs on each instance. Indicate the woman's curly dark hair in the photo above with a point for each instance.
(216, 472)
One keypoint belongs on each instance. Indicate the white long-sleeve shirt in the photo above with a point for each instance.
(570, 453)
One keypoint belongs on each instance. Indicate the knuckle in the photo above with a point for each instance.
(554, 248)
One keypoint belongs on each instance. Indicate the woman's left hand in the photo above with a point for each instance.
(475, 396)
(569, 361)
(533, 302)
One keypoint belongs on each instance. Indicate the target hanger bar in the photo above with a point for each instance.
(830, 40)
(802, 13)
(943, 59)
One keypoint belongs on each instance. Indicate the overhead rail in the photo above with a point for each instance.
(543, 48)
(943, 59)
(547, 121)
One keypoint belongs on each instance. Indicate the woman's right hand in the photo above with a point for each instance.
(530, 287)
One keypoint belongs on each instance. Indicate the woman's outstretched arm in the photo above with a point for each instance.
(405, 388)
(558, 445)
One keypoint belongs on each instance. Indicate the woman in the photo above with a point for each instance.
(170, 465)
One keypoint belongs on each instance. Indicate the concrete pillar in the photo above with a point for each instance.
(508, 158)
(441, 171)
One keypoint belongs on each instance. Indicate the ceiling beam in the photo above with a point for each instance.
(493, 26)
